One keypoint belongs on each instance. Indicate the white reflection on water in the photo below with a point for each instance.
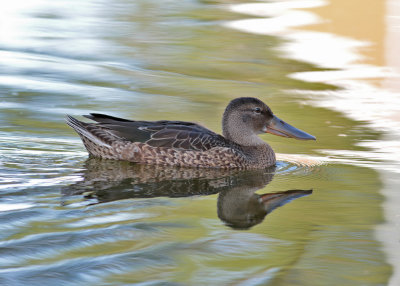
(11, 207)
(118, 217)
(25, 23)
(277, 8)
(359, 99)
(32, 83)
(276, 25)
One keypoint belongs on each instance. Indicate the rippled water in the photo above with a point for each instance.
(318, 218)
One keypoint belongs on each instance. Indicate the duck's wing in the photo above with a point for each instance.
(172, 134)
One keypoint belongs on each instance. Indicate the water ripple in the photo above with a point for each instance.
(89, 269)
(46, 245)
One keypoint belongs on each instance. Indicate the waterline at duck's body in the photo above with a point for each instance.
(179, 143)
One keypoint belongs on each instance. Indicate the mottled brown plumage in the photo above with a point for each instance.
(179, 143)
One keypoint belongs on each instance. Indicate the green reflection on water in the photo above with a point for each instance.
(170, 61)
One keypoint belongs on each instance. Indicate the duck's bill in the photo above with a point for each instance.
(281, 128)
(273, 200)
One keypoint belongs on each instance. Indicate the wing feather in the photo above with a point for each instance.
(172, 134)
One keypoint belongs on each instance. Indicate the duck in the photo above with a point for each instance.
(188, 144)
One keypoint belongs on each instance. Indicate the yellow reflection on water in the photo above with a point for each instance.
(375, 23)
(356, 20)
(378, 23)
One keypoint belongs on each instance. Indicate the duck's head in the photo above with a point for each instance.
(245, 117)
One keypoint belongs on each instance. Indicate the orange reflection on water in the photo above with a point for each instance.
(359, 20)
(374, 22)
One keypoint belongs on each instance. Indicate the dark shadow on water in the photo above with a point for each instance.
(239, 206)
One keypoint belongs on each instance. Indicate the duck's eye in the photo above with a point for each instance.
(257, 110)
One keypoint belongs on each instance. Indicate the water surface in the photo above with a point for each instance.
(318, 216)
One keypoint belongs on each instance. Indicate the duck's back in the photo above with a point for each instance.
(176, 143)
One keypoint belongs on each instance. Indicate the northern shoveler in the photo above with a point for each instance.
(179, 143)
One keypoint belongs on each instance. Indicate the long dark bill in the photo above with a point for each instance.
(281, 128)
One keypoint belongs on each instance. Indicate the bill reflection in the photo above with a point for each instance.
(238, 206)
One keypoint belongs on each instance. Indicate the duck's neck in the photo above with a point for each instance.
(260, 156)
(236, 130)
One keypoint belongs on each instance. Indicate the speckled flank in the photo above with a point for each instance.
(218, 157)
(215, 157)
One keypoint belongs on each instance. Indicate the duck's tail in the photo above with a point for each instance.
(90, 132)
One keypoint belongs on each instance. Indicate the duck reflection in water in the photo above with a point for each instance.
(238, 205)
